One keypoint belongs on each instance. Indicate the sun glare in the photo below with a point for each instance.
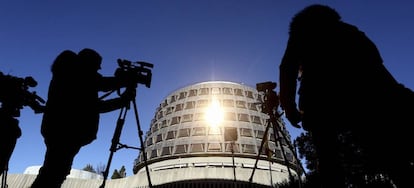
(214, 113)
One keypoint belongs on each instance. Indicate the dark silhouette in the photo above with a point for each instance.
(346, 96)
(14, 95)
(72, 111)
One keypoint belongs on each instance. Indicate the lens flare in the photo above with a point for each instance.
(214, 113)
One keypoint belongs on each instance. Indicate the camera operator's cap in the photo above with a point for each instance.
(91, 57)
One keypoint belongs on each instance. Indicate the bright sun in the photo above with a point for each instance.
(214, 113)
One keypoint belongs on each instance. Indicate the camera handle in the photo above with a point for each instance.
(116, 145)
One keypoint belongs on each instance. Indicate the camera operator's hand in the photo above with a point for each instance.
(128, 95)
(294, 117)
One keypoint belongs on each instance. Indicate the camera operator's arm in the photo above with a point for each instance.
(289, 70)
(109, 83)
(112, 104)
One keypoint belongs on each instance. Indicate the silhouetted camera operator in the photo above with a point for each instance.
(345, 90)
(14, 95)
(72, 111)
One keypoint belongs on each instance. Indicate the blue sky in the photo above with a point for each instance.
(188, 41)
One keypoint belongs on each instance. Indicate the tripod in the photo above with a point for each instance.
(270, 107)
(116, 145)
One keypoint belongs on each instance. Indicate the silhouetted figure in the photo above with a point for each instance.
(345, 90)
(72, 111)
(14, 95)
(9, 133)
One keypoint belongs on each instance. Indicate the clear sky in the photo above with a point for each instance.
(188, 41)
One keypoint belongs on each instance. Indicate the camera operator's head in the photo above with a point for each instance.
(90, 59)
(314, 18)
(65, 63)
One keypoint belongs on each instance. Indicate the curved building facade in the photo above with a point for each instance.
(212, 133)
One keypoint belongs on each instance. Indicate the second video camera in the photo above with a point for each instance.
(137, 72)
(15, 93)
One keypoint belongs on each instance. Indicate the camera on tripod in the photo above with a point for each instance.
(270, 97)
(15, 94)
(136, 72)
(266, 86)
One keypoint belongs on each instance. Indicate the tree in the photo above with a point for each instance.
(116, 175)
(122, 171)
(100, 168)
(89, 168)
(119, 174)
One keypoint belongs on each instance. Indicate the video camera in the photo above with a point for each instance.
(15, 94)
(137, 72)
(265, 86)
(270, 97)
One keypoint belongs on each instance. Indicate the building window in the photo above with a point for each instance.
(227, 91)
(170, 135)
(204, 91)
(240, 104)
(169, 110)
(173, 99)
(166, 151)
(243, 117)
(215, 90)
(238, 92)
(214, 147)
(179, 107)
(260, 134)
(179, 149)
(164, 123)
(192, 93)
(199, 131)
(154, 127)
(256, 119)
(165, 103)
(232, 147)
(248, 148)
(154, 153)
(160, 115)
(246, 132)
(187, 118)
(202, 103)
(183, 133)
(228, 103)
(252, 106)
(149, 141)
(159, 138)
(175, 120)
(190, 105)
(249, 94)
(182, 95)
(195, 148)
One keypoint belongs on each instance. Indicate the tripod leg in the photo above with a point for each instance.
(115, 142)
(4, 177)
(291, 148)
(259, 152)
(277, 129)
(277, 138)
(140, 133)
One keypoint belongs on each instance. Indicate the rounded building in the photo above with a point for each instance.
(211, 133)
